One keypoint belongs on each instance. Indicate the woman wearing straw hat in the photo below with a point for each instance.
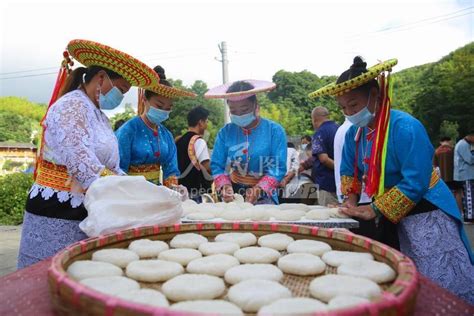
(145, 144)
(388, 154)
(249, 155)
(78, 145)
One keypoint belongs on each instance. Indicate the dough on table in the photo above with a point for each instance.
(288, 215)
(294, 206)
(200, 216)
(337, 257)
(318, 214)
(335, 213)
(235, 215)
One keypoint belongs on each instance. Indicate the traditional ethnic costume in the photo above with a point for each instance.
(393, 161)
(147, 151)
(78, 147)
(249, 157)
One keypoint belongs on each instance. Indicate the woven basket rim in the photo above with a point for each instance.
(407, 280)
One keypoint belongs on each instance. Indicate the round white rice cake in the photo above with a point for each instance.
(146, 248)
(153, 270)
(119, 257)
(238, 198)
(242, 239)
(188, 240)
(256, 271)
(293, 306)
(294, 206)
(83, 269)
(329, 286)
(182, 256)
(189, 287)
(200, 216)
(335, 213)
(344, 301)
(214, 307)
(257, 255)
(337, 257)
(301, 264)
(146, 296)
(217, 247)
(276, 241)
(320, 214)
(288, 215)
(235, 215)
(259, 214)
(112, 285)
(251, 295)
(313, 247)
(213, 265)
(378, 272)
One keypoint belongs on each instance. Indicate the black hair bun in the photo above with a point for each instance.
(160, 71)
(359, 63)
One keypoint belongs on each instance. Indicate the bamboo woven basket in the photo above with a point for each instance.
(70, 297)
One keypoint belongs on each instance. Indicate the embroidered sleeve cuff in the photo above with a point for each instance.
(394, 204)
(170, 181)
(350, 185)
(268, 184)
(221, 180)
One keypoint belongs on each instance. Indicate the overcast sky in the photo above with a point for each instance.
(263, 36)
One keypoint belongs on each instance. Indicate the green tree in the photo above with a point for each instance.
(13, 194)
(450, 129)
(446, 92)
(15, 127)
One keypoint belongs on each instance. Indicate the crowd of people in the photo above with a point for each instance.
(376, 167)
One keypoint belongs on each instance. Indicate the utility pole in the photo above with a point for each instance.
(225, 76)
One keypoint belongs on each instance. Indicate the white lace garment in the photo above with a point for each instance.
(79, 136)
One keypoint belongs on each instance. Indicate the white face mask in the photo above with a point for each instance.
(303, 146)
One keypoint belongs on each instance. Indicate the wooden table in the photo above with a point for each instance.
(25, 292)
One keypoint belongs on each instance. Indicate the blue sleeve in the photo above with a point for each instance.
(170, 165)
(279, 152)
(466, 154)
(219, 154)
(125, 135)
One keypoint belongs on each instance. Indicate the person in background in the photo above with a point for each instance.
(249, 155)
(118, 124)
(146, 146)
(443, 160)
(322, 162)
(193, 155)
(464, 173)
(289, 183)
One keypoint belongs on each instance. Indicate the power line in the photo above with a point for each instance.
(411, 25)
(34, 75)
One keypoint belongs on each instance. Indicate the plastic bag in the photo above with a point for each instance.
(115, 203)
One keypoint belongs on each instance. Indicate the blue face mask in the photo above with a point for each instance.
(111, 99)
(243, 120)
(363, 117)
(157, 115)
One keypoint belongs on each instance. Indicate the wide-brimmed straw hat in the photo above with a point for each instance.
(220, 92)
(91, 53)
(336, 89)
